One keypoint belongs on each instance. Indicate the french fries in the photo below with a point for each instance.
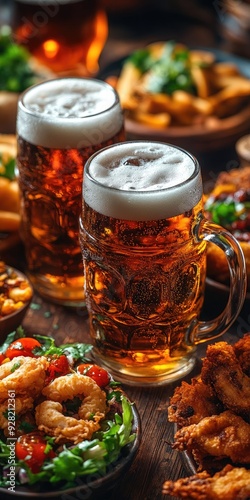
(9, 191)
(150, 94)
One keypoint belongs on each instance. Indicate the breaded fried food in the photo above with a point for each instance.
(192, 402)
(242, 352)
(222, 370)
(220, 436)
(231, 483)
(24, 375)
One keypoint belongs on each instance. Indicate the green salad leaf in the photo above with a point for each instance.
(15, 72)
(225, 212)
(168, 73)
(7, 168)
(77, 351)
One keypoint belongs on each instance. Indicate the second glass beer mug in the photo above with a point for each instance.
(60, 124)
(143, 236)
(64, 35)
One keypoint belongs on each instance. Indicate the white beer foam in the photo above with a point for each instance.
(142, 181)
(69, 113)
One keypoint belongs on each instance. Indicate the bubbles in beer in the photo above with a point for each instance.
(142, 181)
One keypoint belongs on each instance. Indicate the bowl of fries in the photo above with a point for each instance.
(196, 99)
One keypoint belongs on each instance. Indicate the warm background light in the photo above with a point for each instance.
(51, 48)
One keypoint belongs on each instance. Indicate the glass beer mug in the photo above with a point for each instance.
(143, 237)
(65, 35)
(60, 123)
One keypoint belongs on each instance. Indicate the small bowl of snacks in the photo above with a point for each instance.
(194, 98)
(16, 294)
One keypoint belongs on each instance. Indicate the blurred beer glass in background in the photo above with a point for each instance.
(143, 237)
(60, 123)
(64, 35)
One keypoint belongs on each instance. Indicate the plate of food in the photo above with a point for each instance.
(228, 204)
(211, 415)
(67, 429)
(196, 98)
(16, 294)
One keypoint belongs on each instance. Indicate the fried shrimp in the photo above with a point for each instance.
(49, 414)
(22, 405)
(50, 419)
(77, 385)
(24, 375)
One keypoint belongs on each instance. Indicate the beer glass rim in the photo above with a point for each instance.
(194, 174)
(38, 114)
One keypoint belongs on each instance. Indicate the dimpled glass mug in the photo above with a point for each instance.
(60, 123)
(143, 237)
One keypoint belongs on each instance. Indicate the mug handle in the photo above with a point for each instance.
(216, 234)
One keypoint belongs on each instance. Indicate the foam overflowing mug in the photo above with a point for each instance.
(143, 237)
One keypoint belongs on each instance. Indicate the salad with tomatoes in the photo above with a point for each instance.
(36, 457)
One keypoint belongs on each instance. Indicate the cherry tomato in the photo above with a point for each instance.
(32, 449)
(59, 365)
(2, 357)
(98, 374)
(22, 347)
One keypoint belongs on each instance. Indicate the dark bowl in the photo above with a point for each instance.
(10, 322)
(218, 134)
(96, 486)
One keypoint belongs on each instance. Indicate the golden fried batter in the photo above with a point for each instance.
(24, 375)
(220, 436)
(49, 414)
(77, 385)
(232, 483)
(50, 419)
(192, 402)
(22, 405)
(222, 370)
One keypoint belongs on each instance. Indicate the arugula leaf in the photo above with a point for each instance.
(48, 348)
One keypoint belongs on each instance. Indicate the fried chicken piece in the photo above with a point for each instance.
(192, 402)
(242, 352)
(231, 483)
(221, 369)
(220, 436)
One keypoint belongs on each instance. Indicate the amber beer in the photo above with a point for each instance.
(60, 124)
(145, 265)
(62, 34)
